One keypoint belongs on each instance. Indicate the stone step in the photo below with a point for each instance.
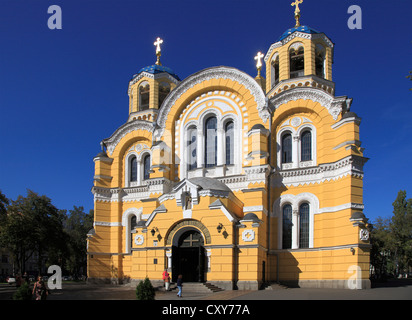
(273, 286)
(197, 287)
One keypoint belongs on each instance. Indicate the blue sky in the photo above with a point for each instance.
(63, 91)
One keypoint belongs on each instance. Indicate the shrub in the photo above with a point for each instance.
(23, 293)
(145, 290)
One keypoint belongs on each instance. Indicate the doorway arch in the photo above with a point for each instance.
(188, 255)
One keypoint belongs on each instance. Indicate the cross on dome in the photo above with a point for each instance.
(157, 43)
(297, 11)
(258, 57)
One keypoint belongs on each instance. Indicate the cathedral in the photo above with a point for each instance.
(235, 180)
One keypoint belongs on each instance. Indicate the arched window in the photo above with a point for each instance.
(146, 167)
(306, 146)
(297, 62)
(320, 62)
(191, 148)
(133, 169)
(304, 225)
(211, 142)
(229, 137)
(164, 89)
(287, 227)
(144, 96)
(275, 71)
(286, 148)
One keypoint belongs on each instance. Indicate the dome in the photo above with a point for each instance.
(155, 69)
(251, 217)
(304, 29)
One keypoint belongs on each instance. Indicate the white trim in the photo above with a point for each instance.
(203, 115)
(295, 201)
(212, 73)
(126, 221)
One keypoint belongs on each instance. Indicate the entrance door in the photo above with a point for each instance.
(188, 258)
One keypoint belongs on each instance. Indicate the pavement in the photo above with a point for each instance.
(393, 290)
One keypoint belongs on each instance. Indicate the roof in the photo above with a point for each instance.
(304, 29)
(209, 184)
(155, 69)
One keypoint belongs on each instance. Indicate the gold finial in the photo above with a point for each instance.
(158, 50)
(259, 63)
(297, 11)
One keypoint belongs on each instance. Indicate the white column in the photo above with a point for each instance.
(295, 151)
(139, 173)
(220, 144)
(295, 228)
(169, 260)
(199, 149)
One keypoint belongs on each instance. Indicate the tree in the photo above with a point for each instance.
(401, 230)
(4, 202)
(33, 224)
(76, 226)
(145, 290)
(391, 239)
(380, 251)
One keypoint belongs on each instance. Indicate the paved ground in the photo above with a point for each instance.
(394, 290)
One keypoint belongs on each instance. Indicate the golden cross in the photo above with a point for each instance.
(297, 11)
(258, 57)
(158, 50)
(259, 63)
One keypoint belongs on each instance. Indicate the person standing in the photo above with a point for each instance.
(166, 279)
(39, 289)
(179, 285)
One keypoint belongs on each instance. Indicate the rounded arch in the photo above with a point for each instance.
(126, 224)
(208, 74)
(182, 226)
(296, 201)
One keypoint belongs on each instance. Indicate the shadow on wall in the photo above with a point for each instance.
(286, 269)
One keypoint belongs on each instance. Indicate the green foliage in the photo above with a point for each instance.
(32, 224)
(23, 293)
(391, 239)
(145, 290)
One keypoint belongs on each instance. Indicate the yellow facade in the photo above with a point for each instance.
(226, 182)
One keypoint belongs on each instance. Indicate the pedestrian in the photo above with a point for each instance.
(39, 289)
(179, 285)
(166, 279)
(26, 278)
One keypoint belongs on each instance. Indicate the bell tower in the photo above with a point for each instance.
(302, 57)
(149, 88)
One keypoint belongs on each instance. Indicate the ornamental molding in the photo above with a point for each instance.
(349, 166)
(205, 75)
(132, 194)
(248, 235)
(335, 105)
(139, 239)
(125, 129)
(298, 34)
(156, 76)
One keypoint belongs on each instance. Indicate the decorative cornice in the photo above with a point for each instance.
(125, 129)
(205, 75)
(351, 165)
(298, 34)
(145, 74)
(335, 105)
